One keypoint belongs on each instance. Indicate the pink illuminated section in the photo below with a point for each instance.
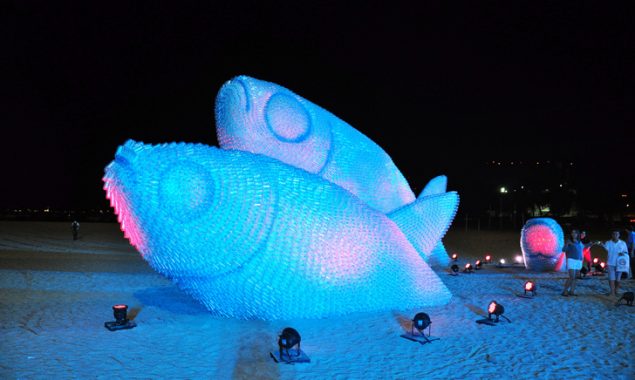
(541, 239)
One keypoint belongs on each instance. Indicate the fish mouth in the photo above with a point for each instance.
(117, 178)
(234, 94)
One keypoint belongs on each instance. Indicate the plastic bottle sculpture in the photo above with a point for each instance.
(251, 237)
(265, 118)
(541, 242)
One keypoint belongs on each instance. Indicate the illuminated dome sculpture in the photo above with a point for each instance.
(251, 237)
(265, 118)
(541, 242)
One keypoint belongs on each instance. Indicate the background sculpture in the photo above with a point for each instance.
(265, 118)
(541, 242)
(251, 237)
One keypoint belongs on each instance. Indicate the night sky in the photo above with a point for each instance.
(442, 88)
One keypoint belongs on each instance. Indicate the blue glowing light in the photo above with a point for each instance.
(252, 237)
(265, 118)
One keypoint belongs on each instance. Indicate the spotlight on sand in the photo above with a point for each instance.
(289, 338)
(494, 308)
(455, 257)
(420, 322)
(121, 322)
(530, 286)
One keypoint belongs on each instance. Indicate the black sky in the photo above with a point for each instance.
(440, 87)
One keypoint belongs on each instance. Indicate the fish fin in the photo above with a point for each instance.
(426, 220)
(437, 185)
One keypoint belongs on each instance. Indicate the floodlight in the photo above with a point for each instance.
(455, 257)
(421, 321)
(477, 264)
(530, 286)
(496, 309)
(287, 340)
(121, 321)
(468, 268)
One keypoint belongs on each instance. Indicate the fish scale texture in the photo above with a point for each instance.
(251, 237)
(265, 118)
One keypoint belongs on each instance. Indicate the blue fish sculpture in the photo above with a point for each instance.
(252, 237)
(265, 118)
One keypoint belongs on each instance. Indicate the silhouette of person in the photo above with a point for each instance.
(75, 228)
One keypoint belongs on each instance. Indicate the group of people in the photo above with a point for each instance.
(620, 258)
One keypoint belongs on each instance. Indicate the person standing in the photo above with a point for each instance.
(75, 228)
(573, 249)
(615, 247)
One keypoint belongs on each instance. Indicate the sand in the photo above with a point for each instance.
(56, 294)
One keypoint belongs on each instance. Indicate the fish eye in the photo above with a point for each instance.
(186, 191)
(287, 118)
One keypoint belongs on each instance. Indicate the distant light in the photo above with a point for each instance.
(537, 162)
(503, 190)
(468, 268)
(522, 187)
(595, 260)
(627, 205)
(518, 259)
(455, 257)
(624, 195)
(603, 264)
(488, 258)
(560, 185)
(477, 264)
(570, 163)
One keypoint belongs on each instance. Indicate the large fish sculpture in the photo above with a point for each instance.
(541, 242)
(251, 237)
(265, 118)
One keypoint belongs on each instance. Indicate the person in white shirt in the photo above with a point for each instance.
(615, 247)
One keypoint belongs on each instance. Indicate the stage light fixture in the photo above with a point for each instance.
(477, 264)
(289, 338)
(468, 268)
(595, 260)
(120, 312)
(496, 309)
(455, 257)
(455, 269)
(518, 259)
(488, 259)
(501, 263)
(603, 266)
(420, 322)
(530, 286)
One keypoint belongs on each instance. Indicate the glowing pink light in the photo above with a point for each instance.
(541, 239)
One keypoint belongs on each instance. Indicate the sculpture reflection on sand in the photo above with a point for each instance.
(263, 117)
(251, 237)
(541, 242)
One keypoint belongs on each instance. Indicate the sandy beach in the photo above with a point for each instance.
(56, 294)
